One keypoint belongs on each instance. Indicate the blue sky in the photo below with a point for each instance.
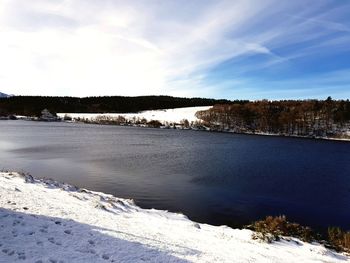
(249, 49)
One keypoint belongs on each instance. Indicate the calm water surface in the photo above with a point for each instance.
(215, 178)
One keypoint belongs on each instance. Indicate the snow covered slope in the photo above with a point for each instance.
(44, 221)
(168, 115)
(3, 95)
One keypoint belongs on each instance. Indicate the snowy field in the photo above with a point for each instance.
(168, 115)
(44, 221)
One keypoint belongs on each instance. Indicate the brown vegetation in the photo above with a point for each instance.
(290, 117)
(339, 239)
(274, 228)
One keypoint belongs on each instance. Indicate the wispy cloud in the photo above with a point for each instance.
(106, 47)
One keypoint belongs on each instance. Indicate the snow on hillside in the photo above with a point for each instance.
(167, 115)
(3, 95)
(45, 221)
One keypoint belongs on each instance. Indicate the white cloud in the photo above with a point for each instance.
(85, 47)
(113, 48)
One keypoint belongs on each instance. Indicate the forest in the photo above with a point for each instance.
(33, 105)
(317, 118)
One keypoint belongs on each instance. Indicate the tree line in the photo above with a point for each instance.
(286, 117)
(33, 105)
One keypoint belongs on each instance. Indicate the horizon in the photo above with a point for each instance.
(244, 50)
(181, 97)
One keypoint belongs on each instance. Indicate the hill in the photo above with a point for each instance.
(3, 95)
(33, 105)
(315, 118)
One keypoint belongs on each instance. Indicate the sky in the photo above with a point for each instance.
(249, 49)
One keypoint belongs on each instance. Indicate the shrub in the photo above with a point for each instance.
(154, 124)
(273, 228)
(339, 239)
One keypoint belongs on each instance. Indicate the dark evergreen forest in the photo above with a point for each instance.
(33, 105)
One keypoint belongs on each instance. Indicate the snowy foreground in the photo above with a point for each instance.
(167, 115)
(44, 221)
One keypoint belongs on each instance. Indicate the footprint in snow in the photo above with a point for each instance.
(52, 260)
(43, 230)
(53, 241)
(14, 233)
(92, 251)
(21, 255)
(68, 232)
(16, 222)
(8, 251)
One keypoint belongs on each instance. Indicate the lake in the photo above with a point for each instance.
(216, 178)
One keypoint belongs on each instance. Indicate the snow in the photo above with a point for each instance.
(167, 115)
(46, 221)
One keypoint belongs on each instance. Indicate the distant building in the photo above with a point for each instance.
(47, 116)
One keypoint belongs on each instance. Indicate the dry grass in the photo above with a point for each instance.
(273, 228)
(339, 239)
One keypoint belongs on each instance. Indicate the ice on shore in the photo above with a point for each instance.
(46, 221)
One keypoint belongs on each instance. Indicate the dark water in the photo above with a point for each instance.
(211, 177)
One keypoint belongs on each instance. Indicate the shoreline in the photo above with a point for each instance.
(201, 130)
(48, 220)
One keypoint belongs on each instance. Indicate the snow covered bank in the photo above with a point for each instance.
(44, 221)
(167, 115)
